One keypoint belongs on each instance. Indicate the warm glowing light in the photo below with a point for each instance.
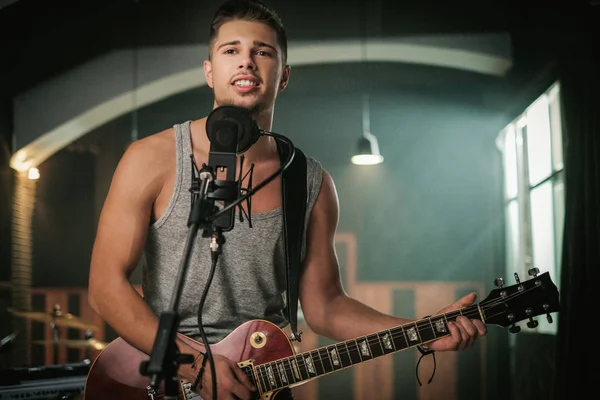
(367, 159)
(33, 173)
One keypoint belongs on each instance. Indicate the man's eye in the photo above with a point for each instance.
(264, 53)
(229, 51)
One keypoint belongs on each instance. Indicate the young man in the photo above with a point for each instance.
(148, 204)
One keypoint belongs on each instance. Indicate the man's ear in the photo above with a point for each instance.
(208, 73)
(285, 78)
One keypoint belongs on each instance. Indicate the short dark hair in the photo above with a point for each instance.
(248, 10)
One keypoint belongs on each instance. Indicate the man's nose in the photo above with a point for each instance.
(247, 62)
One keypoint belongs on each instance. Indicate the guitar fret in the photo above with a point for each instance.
(364, 349)
(326, 360)
(270, 376)
(318, 363)
(296, 369)
(289, 370)
(426, 332)
(302, 367)
(262, 375)
(276, 375)
(311, 364)
(345, 359)
(387, 343)
(399, 338)
(440, 327)
(353, 352)
(431, 324)
(335, 358)
(412, 334)
(453, 315)
(375, 345)
(281, 372)
(308, 365)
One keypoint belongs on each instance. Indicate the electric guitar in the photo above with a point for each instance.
(265, 353)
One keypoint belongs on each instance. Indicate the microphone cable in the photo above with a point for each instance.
(268, 180)
(208, 351)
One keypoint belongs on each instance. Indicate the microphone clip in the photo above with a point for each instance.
(205, 187)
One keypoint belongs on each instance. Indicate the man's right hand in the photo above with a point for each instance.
(232, 382)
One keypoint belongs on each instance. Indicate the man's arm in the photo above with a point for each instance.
(120, 238)
(327, 308)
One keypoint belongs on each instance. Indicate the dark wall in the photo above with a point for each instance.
(6, 181)
(6, 189)
(63, 221)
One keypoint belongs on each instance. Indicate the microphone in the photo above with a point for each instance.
(231, 132)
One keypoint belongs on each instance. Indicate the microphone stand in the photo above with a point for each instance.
(165, 357)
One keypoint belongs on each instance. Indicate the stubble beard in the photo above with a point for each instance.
(257, 107)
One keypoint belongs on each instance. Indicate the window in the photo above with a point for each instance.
(532, 154)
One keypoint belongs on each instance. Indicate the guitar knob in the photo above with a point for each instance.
(532, 323)
(533, 272)
(514, 329)
(499, 282)
(549, 318)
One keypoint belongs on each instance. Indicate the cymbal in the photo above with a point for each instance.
(60, 319)
(91, 344)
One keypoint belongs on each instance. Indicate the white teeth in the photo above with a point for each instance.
(244, 82)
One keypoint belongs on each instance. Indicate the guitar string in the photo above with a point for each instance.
(371, 339)
(374, 338)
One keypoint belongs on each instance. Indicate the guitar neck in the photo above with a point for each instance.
(294, 370)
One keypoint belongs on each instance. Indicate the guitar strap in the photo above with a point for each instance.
(293, 205)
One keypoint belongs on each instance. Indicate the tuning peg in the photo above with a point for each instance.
(532, 323)
(517, 278)
(548, 316)
(499, 282)
(533, 272)
(513, 328)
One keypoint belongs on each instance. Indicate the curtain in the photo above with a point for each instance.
(579, 72)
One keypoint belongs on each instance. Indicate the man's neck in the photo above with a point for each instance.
(263, 149)
(266, 145)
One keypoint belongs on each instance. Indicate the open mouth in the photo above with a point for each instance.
(245, 83)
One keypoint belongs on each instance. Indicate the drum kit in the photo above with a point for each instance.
(55, 381)
(57, 318)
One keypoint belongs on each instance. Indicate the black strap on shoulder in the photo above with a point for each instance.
(293, 204)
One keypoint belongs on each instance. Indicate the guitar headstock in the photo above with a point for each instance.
(508, 305)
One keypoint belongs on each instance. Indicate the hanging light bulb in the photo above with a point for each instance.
(367, 146)
(368, 151)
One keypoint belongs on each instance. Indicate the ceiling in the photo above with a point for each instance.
(42, 38)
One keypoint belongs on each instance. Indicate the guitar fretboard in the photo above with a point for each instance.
(312, 364)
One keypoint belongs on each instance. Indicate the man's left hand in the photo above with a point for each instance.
(463, 330)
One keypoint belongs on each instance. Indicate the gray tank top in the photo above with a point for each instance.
(249, 281)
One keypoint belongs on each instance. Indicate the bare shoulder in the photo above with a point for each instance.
(328, 193)
(151, 150)
(146, 163)
(326, 210)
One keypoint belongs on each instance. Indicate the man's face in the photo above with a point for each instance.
(246, 66)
